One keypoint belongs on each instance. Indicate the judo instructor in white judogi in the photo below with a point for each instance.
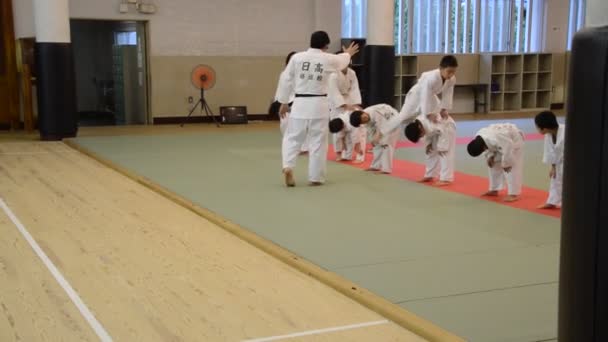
(308, 76)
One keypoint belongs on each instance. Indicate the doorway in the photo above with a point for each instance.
(111, 72)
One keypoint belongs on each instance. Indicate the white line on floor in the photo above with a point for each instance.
(320, 331)
(86, 313)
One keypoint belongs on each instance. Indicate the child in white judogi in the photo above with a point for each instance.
(547, 124)
(346, 137)
(504, 146)
(345, 97)
(422, 98)
(344, 93)
(376, 117)
(440, 147)
(284, 120)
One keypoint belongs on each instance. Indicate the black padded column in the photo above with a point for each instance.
(379, 54)
(583, 281)
(56, 87)
(56, 84)
(379, 74)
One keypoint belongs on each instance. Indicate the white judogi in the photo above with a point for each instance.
(554, 155)
(384, 151)
(506, 147)
(344, 90)
(283, 121)
(308, 74)
(422, 99)
(342, 139)
(442, 137)
(345, 140)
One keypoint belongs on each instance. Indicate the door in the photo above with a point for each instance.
(130, 74)
(9, 117)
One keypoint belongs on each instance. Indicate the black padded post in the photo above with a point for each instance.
(379, 74)
(56, 86)
(583, 281)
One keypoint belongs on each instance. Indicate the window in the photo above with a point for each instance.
(520, 23)
(125, 38)
(402, 27)
(469, 26)
(577, 19)
(354, 18)
(461, 26)
(427, 33)
(494, 28)
(451, 26)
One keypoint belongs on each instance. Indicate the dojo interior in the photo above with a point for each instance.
(152, 225)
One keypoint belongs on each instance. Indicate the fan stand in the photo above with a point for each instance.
(204, 107)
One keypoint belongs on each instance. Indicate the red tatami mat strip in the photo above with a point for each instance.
(464, 184)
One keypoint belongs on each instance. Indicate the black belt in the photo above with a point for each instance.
(311, 95)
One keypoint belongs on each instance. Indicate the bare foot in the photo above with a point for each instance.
(372, 169)
(443, 183)
(289, 181)
(358, 162)
(315, 183)
(426, 180)
(339, 159)
(511, 198)
(547, 206)
(491, 193)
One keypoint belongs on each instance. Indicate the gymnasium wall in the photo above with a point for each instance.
(597, 13)
(244, 41)
(556, 25)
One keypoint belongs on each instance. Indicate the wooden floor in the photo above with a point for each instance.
(147, 268)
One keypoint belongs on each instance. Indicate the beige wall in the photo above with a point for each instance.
(328, 17)
(559, 77)
(556, 25)
(249, 81)
(245, 41)
(23, 18)
(212, 27)
(597, 13)
(566, 74)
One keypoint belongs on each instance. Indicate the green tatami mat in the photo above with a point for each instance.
(437, 253)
